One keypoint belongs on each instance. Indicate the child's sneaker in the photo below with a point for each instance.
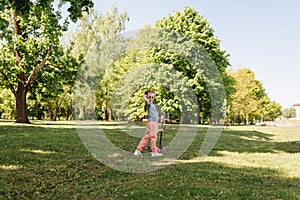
(155, 154)
(137, 153)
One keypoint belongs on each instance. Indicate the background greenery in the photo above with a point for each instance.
(39, 60)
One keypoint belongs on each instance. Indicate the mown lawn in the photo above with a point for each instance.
(49, 161)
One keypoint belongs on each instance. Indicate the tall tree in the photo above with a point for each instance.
(248, 97)
(191, 24)
(147, 72)
(30, 42)
(95, 31)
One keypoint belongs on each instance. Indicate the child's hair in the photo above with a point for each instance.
(150, 91)
(145, 106)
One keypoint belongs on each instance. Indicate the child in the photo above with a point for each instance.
(151, 126)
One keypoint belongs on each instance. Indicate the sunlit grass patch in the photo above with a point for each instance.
(10, 167)
(39, 123)
(280, 133)
(253, 138)
(287, 164)
(38, 151)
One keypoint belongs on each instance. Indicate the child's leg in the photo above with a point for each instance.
(151, 133)
(153, 129)
(145, 139)
(142, 143)
(153, 143)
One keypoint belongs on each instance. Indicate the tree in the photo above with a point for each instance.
(170, 87)
(191, 24)
(248, 97)
(96, 29)
(250, 101)
(30, 44)
(147, 43)
(289, 113)
(269, 110)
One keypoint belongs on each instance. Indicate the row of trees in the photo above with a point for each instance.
(176, 57)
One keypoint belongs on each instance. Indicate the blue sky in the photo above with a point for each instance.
(263, 35)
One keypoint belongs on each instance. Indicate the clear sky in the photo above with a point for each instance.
(263, 35)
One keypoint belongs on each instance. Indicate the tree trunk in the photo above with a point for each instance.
(50, 114)
(110, 117)
(21, 105)
(107, 112)
(198, 111)
(40, 115)
(55, 114)
(185, 117)
(209, 120)
(21, 92)
(68, 112)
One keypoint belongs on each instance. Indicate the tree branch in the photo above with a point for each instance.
(18, 31)
(38, 68)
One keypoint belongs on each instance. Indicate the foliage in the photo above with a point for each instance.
(250, 101)
(151, 46)
(184, 55)
(173, 94)
(56, 96)
(35, 61)
(194, 26)
(289, 113)
(7, 107)
(269, 110)
(93, 40)
(30, 46)
(147, 41)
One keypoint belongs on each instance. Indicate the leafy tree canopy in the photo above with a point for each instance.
(289, 113)
(250, 101)
(195, 27)
(30, 41)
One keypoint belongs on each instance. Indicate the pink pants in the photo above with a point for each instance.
(150, 134)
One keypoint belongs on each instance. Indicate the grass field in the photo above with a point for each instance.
(49, 161)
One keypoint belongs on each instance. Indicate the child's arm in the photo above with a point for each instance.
(146, 99)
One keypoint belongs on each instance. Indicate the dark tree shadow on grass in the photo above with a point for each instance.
(254, 142)
(243, 142)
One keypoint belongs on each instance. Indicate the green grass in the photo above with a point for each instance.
(48, 161)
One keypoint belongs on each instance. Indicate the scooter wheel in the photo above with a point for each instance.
(148, 148)
(161, 149)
